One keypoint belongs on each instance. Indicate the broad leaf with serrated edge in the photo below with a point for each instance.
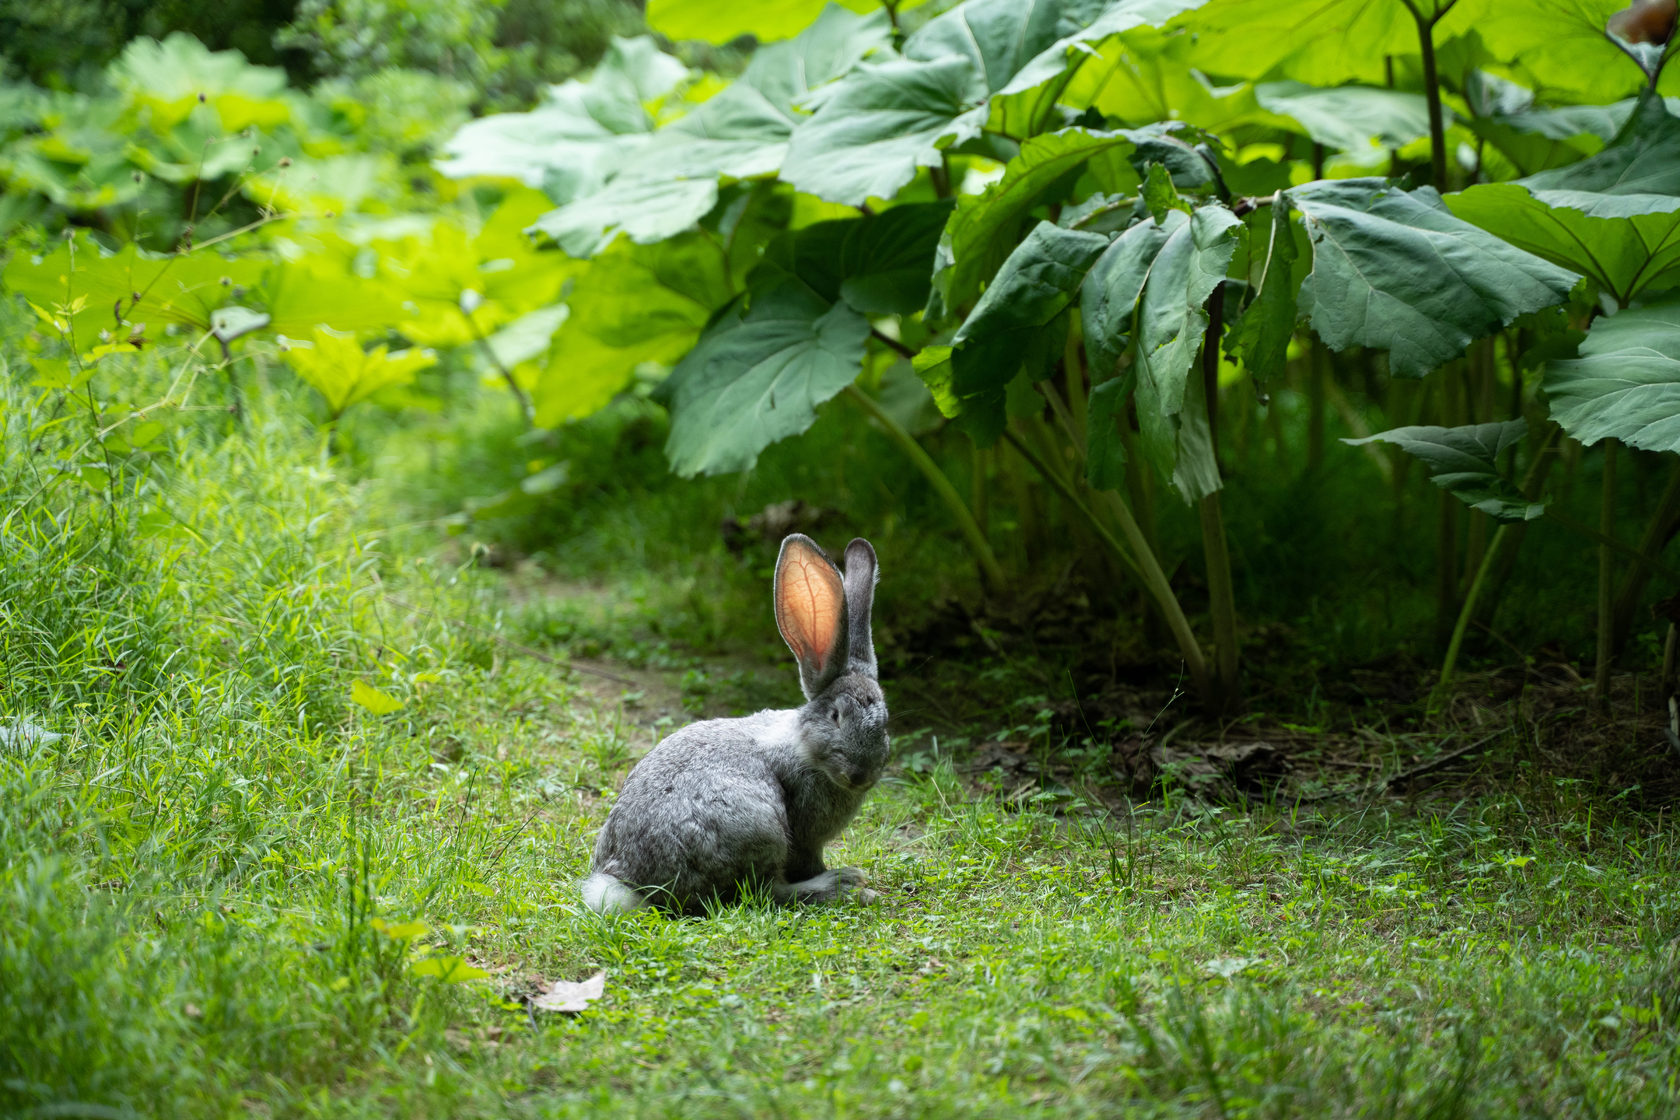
(878, 263)
(1626, 243)
(1395, 270)
(1464, 461)
(982, 229)
(1626, 383)
(758, 376)
(1007, 328)
(883, 121)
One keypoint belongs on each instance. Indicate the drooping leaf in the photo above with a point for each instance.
(448, 968)
(1261, 336)
(878, 263)
(1018, 322)
(1397, 271)
(758, 376)
(883, 121)
(983, 227)
(1626, 243)
(1626, 383)
(1644, 158)
(1171, 320)
(1464, 461)
(1111, 293)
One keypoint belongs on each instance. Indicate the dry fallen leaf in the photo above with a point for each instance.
(564, 995)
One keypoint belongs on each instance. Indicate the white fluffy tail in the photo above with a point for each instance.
(605, 894)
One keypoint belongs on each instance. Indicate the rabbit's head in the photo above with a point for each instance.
(824, 617)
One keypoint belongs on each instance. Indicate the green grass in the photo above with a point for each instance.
(207, 884)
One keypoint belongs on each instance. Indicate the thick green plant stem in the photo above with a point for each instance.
(990, 570)
(1135, 557)
(1221, 605)
(1657, 532)
(1222, 600)
(1499, 552)
(1606, 577)
(1318, 377)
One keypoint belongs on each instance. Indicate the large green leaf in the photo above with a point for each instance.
(1363, 121)
(1625, 242)
(647, 210)
(1644, 158)
(1397, 271)
(1261, 336)
(722, 21)
(669, 180)
(636, 304)
(578, 138)
(983, 228)
(877, 263)
(883, 121)
(1171, 320)
(1464, 461)
(1111, 293)
(337, 367)
(118, 292)
(758, 376)
(1325, 43)
(1626, 383)
(1018, 322)
(168, 80)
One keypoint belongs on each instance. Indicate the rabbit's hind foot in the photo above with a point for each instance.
(845, 882)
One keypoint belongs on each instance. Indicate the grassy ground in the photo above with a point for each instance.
(231, 889)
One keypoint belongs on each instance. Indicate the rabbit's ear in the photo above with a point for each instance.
(810, 603)
(861, 575)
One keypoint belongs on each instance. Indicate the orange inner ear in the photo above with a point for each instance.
(809, 599)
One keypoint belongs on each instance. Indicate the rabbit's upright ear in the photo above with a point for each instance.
(810, 600)
(861, 575)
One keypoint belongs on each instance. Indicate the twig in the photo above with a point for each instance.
(1437, 763)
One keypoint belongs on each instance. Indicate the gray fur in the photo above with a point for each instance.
(732, 804)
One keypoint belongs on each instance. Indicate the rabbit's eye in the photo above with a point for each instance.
(834, 714)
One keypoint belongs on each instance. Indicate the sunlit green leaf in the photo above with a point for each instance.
(1625, 242)
(721, 21)
(380, 703)
(344, 374)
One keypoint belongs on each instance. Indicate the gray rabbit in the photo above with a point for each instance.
(731, 803)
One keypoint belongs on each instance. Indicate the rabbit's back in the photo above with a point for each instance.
(701, 813)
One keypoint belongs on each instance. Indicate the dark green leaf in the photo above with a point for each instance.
(1170, 323)
(1626, 383)
(758, 377)
(1363, 121)
(1397, 271)
(983, 228)
(878, 263)
(1464, 462)
(1261, 336)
